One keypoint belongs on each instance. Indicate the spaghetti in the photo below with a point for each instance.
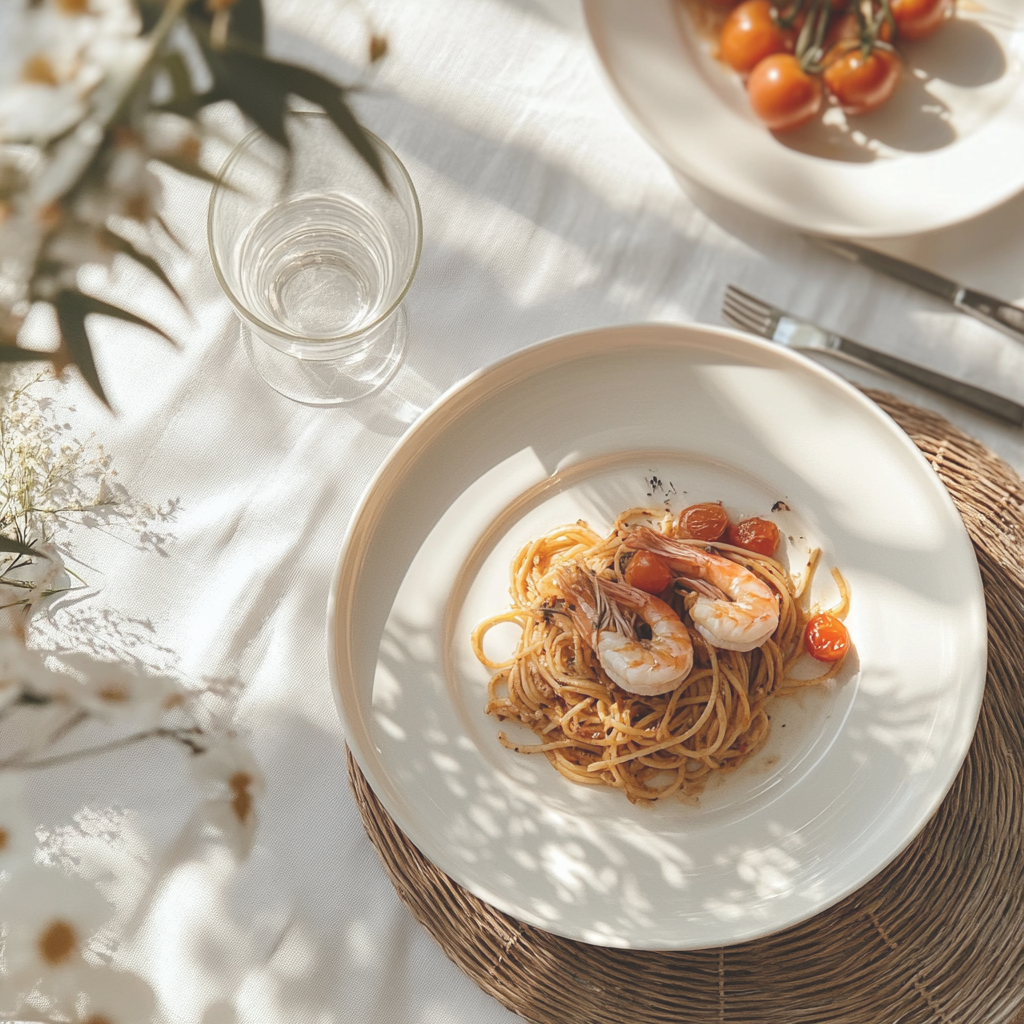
(593, 730)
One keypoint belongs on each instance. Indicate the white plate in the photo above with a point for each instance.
(948, 146)
(577, 427)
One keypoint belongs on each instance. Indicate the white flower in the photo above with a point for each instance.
(22, 670)
(17, 832)
(31, 110)
(48, 919)
(114, 997)
(115, 692)
(54, 55)
(229, 776)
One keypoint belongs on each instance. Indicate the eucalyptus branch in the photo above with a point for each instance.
(98, 168)
(112, 101)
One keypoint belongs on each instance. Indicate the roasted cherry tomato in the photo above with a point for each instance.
(750, 34)
(758, 535)
(863, 83)
(916, 19)
(648, 572)
(782, 94)
(826, 638)
(706, 521)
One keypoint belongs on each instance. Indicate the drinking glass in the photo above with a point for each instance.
(316, 254)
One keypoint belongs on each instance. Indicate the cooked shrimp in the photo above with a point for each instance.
(645, 667)
(734, 609)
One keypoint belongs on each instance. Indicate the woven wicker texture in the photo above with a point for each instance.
(936, 938)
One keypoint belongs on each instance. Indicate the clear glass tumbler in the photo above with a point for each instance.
(316, 254)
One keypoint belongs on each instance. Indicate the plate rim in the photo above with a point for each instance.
(526, 357)
(792, 217)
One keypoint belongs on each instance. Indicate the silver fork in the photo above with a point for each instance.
(748, 313)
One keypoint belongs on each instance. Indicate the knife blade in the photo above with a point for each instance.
(758, 317)
(1004, 316)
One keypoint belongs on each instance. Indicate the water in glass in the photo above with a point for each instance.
(319, 266)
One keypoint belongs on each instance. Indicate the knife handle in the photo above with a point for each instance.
(977, 398)
(988, 310)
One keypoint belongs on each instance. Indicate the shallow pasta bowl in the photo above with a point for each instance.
(584, 426)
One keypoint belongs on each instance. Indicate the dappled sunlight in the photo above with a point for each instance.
(544, 213)
(224, 942)
(777, 836)
(518, 827)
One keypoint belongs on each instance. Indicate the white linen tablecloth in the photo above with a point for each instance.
(544, 212)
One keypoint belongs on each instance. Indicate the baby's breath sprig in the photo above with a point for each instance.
(48, 479)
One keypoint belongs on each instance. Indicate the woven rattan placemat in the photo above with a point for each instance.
(936, 938)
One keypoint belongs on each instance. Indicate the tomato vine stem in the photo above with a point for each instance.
(815, 18)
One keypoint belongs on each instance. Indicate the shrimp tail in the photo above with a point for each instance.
(622, 593)
(583, 603)
(685, 556)
(734, 610)
(639, 666)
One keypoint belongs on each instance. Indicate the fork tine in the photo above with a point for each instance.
(746, 312)
(745, 299)
(741, 315)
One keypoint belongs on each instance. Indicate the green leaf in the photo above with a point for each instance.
(28, 697)
(189, 106)
(149, 11)
(14, 354)
(189, 167)
(91, 304)
(72, 309)
(331, 97)
(243, 79)
(71, 314)
(166, 228)
(122, 245)
(17, 547)
(181, 80)
(259, 86)
(247, 21)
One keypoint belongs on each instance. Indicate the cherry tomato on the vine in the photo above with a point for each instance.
(706, 521)
(846, 32)
(648, 572)
(750, 34)
(826, 638)
(782, 94)
(863, 83)
(758, 535)
(916, 19)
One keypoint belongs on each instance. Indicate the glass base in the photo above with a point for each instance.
(335, 381)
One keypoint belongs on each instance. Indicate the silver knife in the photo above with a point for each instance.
(1004, 316)
(752, 314)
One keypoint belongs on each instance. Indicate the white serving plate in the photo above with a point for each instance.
(947, 147)
(577, 427)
